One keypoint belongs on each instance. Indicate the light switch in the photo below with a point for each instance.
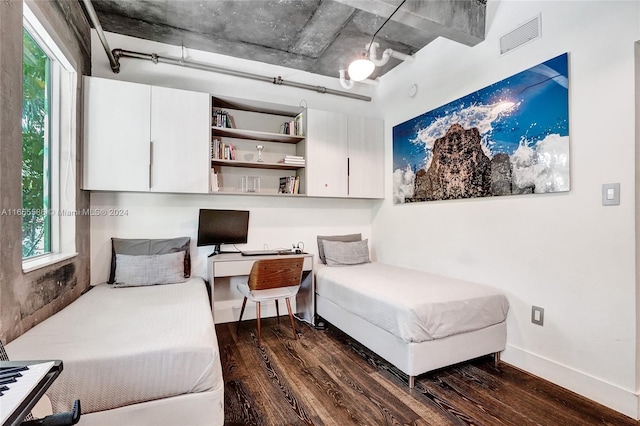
(611, 194)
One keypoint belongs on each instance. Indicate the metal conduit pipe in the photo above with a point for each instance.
(120, 53)
(93, 16)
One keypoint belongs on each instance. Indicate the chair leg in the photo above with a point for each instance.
(244, 303)
(293, 325)
(277, 311)
(258, 318)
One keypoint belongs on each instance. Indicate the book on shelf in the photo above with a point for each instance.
(214, 182)
(222, 151)
(299, 124)
(221, 118)
(289, 185)
(289, 128)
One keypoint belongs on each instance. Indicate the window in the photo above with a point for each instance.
(48, 148)
(36, 221)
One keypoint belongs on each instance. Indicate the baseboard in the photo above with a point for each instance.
(622, 400)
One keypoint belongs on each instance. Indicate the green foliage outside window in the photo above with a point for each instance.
(35, 149)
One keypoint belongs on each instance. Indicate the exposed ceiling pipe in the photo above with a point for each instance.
(93, 16)
(386, 55)
(120, 53)
(347, 84)
(115, 55)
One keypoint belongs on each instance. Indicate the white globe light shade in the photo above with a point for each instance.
(360, 69)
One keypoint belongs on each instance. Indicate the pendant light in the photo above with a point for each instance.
(362, 68)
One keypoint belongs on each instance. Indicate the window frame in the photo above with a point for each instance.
(62, 146)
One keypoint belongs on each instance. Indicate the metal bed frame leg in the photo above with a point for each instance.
(412, 382)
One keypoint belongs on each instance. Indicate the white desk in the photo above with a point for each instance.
(224, 267)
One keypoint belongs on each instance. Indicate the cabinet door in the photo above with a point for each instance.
(179, 140)
(326, 149)
(366, 157)
(116, 135)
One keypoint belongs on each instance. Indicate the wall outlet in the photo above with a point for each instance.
(537, 315)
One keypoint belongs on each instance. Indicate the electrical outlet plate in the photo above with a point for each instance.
(537, 315)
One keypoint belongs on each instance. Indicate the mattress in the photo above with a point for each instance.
(413, 305)
(121, 346)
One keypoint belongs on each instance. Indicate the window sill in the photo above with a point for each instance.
(30, 265)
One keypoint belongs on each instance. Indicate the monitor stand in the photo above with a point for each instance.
(216, 250)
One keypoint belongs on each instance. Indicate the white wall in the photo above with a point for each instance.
(275, 221)
(564, 252)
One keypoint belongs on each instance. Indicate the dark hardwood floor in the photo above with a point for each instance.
(326, 378)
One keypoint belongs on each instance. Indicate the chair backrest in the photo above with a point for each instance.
(274, 273)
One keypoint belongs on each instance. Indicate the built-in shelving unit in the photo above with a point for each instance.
(253, 123)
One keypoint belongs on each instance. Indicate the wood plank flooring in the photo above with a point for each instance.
(326, 378)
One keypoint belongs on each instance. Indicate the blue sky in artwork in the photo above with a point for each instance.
(521, 109)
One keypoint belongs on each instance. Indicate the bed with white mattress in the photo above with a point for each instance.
(415, 320)
(143, 355)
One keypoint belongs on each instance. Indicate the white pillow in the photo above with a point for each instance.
(151, 269)
(340, 253)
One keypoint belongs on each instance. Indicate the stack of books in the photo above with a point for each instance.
(289, 128)
(289, 185)
(220, 118)
(294, 160)
(222, 151)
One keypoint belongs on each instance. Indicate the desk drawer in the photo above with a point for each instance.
(243, 267)
(232, 269)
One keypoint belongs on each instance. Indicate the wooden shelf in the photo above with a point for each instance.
(255, 164)
(255, 135)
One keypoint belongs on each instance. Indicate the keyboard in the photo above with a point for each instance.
(22, 384)
(260, 252)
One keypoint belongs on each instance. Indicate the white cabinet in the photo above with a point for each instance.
(145, 138)
(179, 141)
(346, 155)
(327, 154)
(116, 135)
(366, 157)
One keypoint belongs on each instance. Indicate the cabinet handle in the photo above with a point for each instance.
(348, 174)
(150, 164)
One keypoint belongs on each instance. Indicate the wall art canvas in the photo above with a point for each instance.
(509, 138)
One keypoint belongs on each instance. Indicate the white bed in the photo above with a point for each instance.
(415, 320)
(137, 355)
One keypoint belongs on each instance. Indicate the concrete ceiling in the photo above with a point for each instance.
(318, 36)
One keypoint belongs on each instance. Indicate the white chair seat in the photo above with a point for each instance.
(268, 294)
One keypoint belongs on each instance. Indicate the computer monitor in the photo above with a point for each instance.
(216, 227)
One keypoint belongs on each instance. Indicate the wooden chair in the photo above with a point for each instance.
(272, 279)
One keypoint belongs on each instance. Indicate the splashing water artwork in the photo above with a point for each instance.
(511, 137)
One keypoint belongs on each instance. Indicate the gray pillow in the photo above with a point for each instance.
(146, 246)
(344, 238)
(142, 270)
(338, 253)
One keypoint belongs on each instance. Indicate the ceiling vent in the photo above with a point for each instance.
(525, 33)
